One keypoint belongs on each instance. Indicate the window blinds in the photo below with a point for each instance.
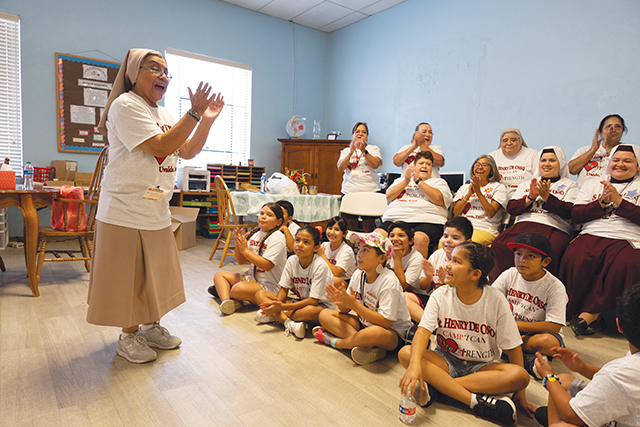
(10, 98)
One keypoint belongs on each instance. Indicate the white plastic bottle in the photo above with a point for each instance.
(407, 408)
(263, 183)
(28, 176)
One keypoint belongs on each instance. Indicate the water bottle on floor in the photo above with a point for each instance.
(28, 176)
(407, 408)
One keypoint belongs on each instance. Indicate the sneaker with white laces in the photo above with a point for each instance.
(159, 337)
(366, 355)
(134, 348)
(262, 318)
(299, 329)
(230, 306)
(498, 408)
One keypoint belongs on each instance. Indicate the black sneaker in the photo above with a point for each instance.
(212, 290)
(501, 409)
(542, 416)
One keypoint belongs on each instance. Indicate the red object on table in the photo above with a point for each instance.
(42, 174)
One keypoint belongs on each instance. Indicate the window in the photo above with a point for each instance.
(10, 99)
(230, 137)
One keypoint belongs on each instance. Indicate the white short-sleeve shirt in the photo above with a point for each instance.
(307, 282)
(359, 175)
(409, 160)
(275, 250)
(474, 211)
(342, 257)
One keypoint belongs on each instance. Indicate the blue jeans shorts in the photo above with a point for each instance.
(459, 367)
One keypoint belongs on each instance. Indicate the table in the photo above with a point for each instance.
(27, 201)
(307, 208)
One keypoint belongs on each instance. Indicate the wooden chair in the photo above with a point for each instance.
(227, 220)
(85, 237)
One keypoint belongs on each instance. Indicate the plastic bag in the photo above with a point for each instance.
(281, 184)
(57, 213)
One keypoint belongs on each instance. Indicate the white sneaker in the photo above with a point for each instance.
(229, 306)
(134, 348)
(366, 355)
(262, 318)
(159, 337)
(299, 329)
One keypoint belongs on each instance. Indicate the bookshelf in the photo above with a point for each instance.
(232, 174)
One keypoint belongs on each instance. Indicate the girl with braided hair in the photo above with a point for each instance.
(265, 248)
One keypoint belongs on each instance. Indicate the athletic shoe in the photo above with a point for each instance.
(425, 397)
(501, 409)
(299, 329)
(314, 332)
(159, 337)
(366, 355)
(530, 366)
(542, 416)
(134, 348)
(261, 318)
(229, 306)
(213, 291)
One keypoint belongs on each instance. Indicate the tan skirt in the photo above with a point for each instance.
(135, 276)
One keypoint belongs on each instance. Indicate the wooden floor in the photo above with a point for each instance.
(58, 370)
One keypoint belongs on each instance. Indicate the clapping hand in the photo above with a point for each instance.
(544, 189)
(207, 106)
(340, 297)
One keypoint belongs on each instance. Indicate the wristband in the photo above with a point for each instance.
(193, 113)
(528, 197)
(550, 378)
(419, 180)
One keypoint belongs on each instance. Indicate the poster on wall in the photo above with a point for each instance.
(83, 87)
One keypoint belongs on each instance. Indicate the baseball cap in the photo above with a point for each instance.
(534, 241)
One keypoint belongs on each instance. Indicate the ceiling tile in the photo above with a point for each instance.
(354, 4)
(249, 4)
(321, 15)
(343, 22)
(379, 6)
(288, 9)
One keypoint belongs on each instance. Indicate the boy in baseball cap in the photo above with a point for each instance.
(537, 298)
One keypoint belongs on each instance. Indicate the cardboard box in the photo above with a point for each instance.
(183, 225)
(83, 179)
(65, 169)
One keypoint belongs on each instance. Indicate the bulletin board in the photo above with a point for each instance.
(83, 87)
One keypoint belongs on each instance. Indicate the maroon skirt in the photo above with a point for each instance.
(504, 256)
(596, 270)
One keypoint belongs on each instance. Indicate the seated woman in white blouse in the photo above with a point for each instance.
(482, 200)
(421, 200)
(516, 162)
(422, 140)
(359, 162)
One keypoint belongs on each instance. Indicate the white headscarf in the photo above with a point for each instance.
(126, 78)
(562, 160)
(517, 132)
(636, 150)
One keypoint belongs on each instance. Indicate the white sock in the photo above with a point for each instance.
(287, 321)
(474, 401)
(145, 328)
(123, 335)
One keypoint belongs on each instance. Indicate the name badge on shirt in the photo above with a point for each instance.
(355, 172)
(153, 193)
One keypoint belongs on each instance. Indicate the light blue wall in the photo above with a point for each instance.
(552, 68)
(207, 27)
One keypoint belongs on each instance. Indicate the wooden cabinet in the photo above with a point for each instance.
(318, 158)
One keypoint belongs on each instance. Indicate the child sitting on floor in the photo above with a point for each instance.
(612, 397)
(382, 320)
(306, 275)
(337, 253)
(289, 227)
(265, 248)
(456, 230)
(474, 326)
(537, 298)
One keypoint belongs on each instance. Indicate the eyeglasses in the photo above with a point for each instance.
(158, 72)
(482, 165)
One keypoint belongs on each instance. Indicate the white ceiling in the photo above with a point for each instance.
(323, 15)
